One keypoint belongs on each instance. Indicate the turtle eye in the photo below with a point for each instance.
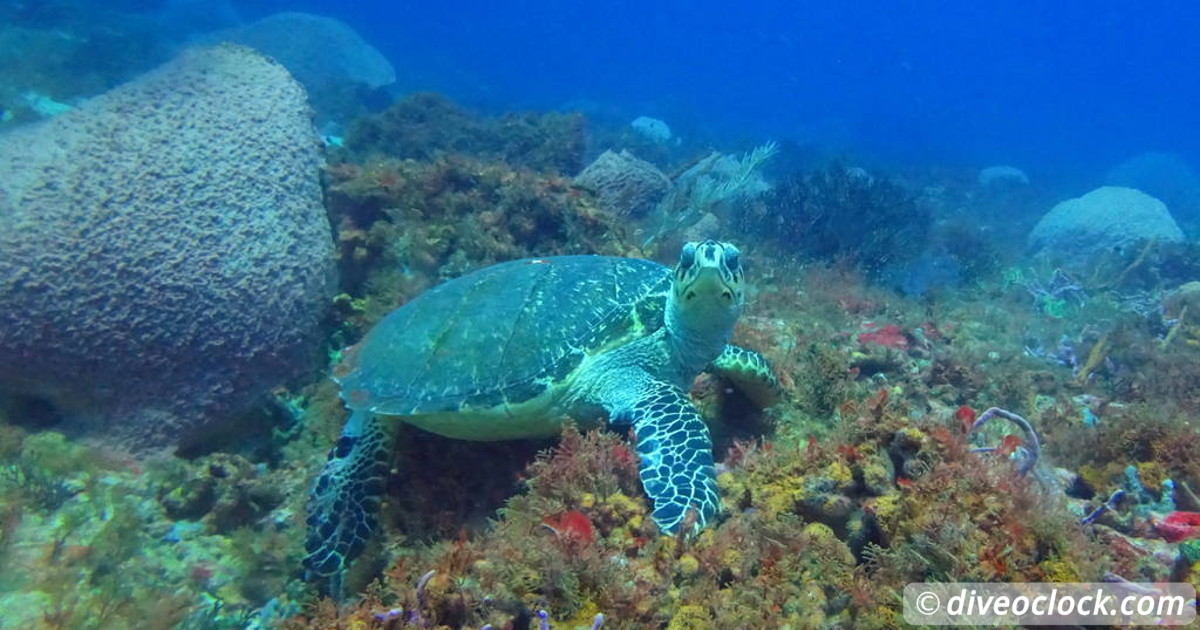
(687, 257)
(732, 256)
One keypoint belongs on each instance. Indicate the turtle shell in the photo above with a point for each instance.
(502, 335)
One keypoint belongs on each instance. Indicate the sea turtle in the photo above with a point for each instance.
(508, 351)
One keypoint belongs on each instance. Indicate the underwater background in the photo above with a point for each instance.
(970, 241)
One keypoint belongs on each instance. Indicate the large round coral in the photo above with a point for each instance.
(164, 253)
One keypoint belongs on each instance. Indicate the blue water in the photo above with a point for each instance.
(1055, 86)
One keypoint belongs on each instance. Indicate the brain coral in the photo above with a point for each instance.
(164, 254)
(1105, 219)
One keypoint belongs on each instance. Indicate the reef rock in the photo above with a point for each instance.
(1105, 219)
(334, 64)
(1167, 176)
(1002, 175)
(652, 129)
(164, 254)
(624, 185)
(317, 50)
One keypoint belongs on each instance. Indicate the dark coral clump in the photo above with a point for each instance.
(404, 225)
(225, 491)
(1159, 445)
(425, 126)
(841, 214)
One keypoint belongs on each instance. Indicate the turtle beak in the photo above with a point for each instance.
(710, 270)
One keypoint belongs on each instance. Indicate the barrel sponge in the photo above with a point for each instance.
(624, 185)
(165, 257)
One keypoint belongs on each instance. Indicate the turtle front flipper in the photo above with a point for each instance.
(343, 505)
(676, 465)
(750, 373)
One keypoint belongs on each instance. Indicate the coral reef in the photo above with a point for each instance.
(817, 533)
(81, 546)
(424, 126)
(874, 472)
(131, 302)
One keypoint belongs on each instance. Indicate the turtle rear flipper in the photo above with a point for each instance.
(676, 465)
(343, 505)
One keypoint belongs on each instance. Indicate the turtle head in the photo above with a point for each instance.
(707, 293)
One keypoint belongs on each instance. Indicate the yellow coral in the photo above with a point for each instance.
(1095, 358)
(1152, 474)
(825, 544)
(841, 475)
(911, 437)
(615, 513)
(778, 496)
(876, 476)
(887, 512)
(732, 560)
(819, 531)
(1095, 476)
(730, 484)
(690, 618)
(1056, 569)
(1193, 575)
(687, 565)
(622, 504)
(583, 617)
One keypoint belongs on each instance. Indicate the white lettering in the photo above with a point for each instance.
(956, 603)
(1066, 605)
